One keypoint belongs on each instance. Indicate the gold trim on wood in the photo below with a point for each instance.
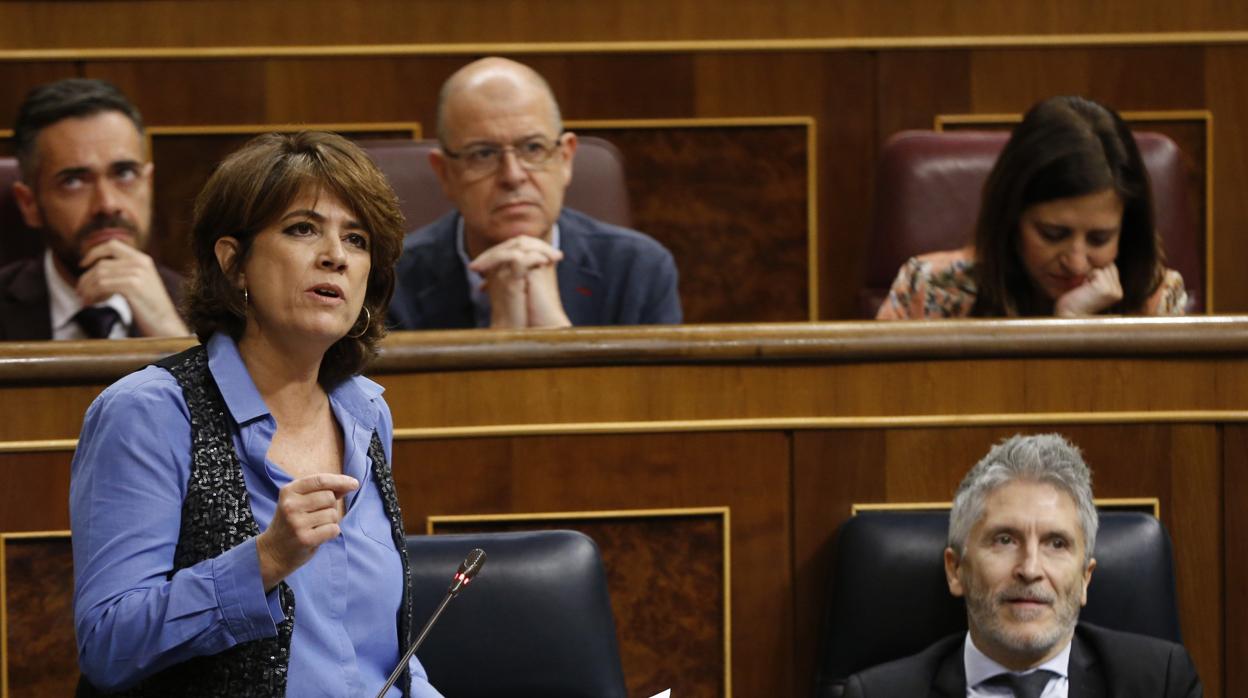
(811, 423)
(812, 213)
(1101, 503)
(23, 535)
(4, 618)
(412, 128)
(940, 121)
(4, 597)
(724, 512)
(762, 424)
(869, 43)
(812, 172)
(1209, 270)
(857, 507)
(692, 122)
(37, 446)
(433, 520)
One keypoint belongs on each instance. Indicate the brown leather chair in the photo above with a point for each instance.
(16, 240)
(597, 188)
(927, 197)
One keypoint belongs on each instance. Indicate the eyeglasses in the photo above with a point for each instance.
(482, 159)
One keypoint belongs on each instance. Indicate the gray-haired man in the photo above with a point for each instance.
(1021, 535)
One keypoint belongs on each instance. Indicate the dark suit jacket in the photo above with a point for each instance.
(1103, 663)
(609, 276)
(24, 305)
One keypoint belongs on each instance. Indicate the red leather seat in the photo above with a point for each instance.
(927, 197)
(597, 188)
(16, 240)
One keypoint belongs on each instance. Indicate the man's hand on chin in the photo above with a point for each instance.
(116, 267)
(521, 282)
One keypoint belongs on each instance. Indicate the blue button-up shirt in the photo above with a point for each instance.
(129, 478)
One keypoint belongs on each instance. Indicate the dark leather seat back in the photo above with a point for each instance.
(928, 190)
(889, 598)
(598, 186)
(537, 621)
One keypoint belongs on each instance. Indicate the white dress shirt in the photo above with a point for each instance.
(63, 304)
(980, 668)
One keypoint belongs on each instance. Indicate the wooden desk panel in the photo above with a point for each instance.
(786, 425)
(744, 471)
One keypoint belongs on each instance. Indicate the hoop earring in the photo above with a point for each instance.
(246, 297)
(368, 319)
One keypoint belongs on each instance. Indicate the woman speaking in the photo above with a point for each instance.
(236, 530)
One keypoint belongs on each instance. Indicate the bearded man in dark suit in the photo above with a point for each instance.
(86, 186)
(1021, 535)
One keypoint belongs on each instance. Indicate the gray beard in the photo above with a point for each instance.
(982, 613)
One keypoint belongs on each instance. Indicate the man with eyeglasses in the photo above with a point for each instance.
(511, 255)
(86, 185)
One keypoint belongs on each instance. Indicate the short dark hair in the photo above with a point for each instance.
(64, 99)
(250, 190)
(1064, 147)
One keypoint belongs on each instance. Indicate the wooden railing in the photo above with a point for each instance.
(785, 426)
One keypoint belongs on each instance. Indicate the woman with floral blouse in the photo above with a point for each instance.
(1065, 229)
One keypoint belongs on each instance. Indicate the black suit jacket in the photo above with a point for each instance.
(1103, 664)
(609, 276)
(24, 304)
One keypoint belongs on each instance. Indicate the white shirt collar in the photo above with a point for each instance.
(476, 290)
(63, 304)
(980, 668)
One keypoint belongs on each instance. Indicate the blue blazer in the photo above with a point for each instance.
(609, 276)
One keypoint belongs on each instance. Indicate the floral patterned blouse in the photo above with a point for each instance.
(942, 285)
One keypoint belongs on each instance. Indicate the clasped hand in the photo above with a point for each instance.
(521, 282)
(115, 267)
(1099, 290)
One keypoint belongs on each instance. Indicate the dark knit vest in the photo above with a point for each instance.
(216, 516)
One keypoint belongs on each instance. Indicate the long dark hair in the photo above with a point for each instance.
(1064, 147)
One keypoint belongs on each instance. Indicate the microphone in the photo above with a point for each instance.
(468, 569)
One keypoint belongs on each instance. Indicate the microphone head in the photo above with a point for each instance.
(473, 563)
(467, 570)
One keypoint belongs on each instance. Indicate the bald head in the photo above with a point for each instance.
(499, 81)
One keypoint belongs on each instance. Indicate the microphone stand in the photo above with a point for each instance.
(466, 572)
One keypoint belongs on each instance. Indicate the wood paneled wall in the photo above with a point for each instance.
(785, 425)
(856, 97)
(35, 24)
